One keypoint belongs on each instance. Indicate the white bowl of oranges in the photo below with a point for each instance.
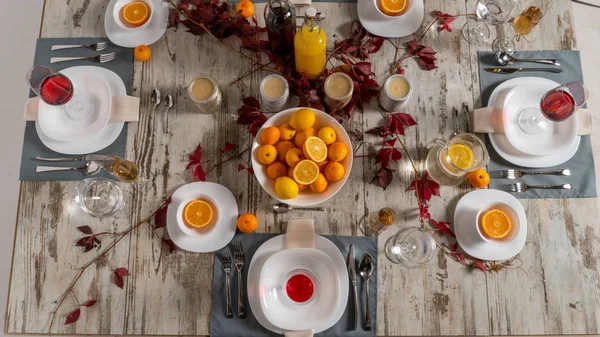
(302, 156)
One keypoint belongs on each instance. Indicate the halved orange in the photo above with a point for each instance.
(306, 172)
(136, 13)
(315, 149)
(392, 7)
(495, 224)
(197, 213)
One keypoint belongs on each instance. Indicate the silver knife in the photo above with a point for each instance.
(514, 70)
(88, 157)
(352, 274)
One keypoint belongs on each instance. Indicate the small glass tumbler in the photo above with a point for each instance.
(274, 93)
(99, 197)
(395, 93)
(379, 221)
(205, 94)
(411, 247)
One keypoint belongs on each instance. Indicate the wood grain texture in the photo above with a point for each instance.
(556, 292)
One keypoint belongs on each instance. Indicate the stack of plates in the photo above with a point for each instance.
(67, 135)
(270, 268)
(556, 145)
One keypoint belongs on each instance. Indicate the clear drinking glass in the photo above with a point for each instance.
(489, 12)
(122, 169)
(522, 25)
(411, 247)
(378, 221)
(556, 105)
(54, 88)
(99, 197)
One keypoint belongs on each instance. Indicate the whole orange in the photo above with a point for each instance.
(478, 178)
(245, 8)
(267, 154)
(247, 223)
(303, 135)
(334, 171)
(282, 148)
(319, 185)
(142, 53)
(337, 151)
(270, 135)
(276, 170)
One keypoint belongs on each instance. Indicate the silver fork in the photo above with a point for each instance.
(101, 58)
(226, 262)
(100, 46)
(514, 174)
(238, 253)
(520, 187)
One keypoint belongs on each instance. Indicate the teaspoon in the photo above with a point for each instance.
(506, 59)
(366, 265)
(168, 104)
(155, 97)
(284, 208)
(90, 168)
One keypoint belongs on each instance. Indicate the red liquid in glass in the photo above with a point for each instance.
(300, 288)
(558, 105)
(56, 89)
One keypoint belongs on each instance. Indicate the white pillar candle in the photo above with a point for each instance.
(205, 94)
(338, 90)
(274, 93)
(395, 93)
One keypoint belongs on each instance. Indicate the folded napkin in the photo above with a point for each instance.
(300, 233)
(123, 109)
(489, 120)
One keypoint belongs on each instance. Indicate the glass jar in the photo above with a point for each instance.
(205, 94)
(280, 19)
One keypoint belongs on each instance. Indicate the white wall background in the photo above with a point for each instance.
(19, 29)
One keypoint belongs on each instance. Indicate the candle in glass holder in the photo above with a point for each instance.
(274, 93)
(395, 93)
(338, 90)
(205, 94)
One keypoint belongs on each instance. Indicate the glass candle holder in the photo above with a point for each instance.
(205, 94)
(274, 93)
(395, 93)
(338, 89)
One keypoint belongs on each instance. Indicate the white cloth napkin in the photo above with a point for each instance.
(300, 233)
(489, 120)
(124, 109)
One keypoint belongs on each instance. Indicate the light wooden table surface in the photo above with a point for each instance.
(556, 292)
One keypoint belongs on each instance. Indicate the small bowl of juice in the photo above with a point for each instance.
(497, 223)
(392, 9)
(197, 215)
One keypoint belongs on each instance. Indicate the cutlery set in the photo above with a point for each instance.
(366, 266)
(521, 187)
(238, 261)
(90, 168)
(505, 59)
(100, 58)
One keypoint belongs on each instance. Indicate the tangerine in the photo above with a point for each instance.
(142, 53)
(247, 223)
(267, 154)
(282, 148)
(276, 170)
(320, 184)
(245, 8)
(334, 171)
(270, 135)
(478, 178)
(337, 151)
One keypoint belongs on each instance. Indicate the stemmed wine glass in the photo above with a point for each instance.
(489, 12)
(556, 105)
(54, 88)
(411, 246)
(522, 25)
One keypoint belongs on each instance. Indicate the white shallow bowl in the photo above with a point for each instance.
(512, 215)
(287, 314)
(118, 16)
(380, 24)
(147, 34)
(56, 124)
(306, 197)
(558, 137)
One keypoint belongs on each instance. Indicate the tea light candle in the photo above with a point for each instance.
(396, 92)
(338, 90)
(274, 93)
(205, 94)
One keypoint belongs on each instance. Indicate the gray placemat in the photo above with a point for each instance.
(249, 327)
(583, 174)
(33, 147)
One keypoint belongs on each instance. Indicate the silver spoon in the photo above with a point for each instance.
(284, 208)
(366, 265)
(168, 104)
(90, 168)
(506, 59)
(155, 98)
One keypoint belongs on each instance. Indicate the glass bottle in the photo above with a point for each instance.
(310, 45)
(280, 18)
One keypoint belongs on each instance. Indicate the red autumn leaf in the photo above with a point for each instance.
(118, 280)
(389, 142)
(89, 303)
(364, 68)
(478, 264)
(442, 227)
(445, 20)
(406, 119)
(228, 147)
(73, 317)
(385, 154)
(251, 44)
(195, 157)
(400, 70)
(384, 177)
(251, 101)
(122, 272)
(382, 131)
(168, 201)
(424, 211)
(458, 256)
(424, 55)
(160, 217)
(426, 187)
(85, 229)
(169, 245)
(398, 121)
(198, 173)
(241, 167)
(454, 246)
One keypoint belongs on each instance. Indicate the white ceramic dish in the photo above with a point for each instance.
(306, 197)
(382, 25)
(279, 308)
(120, 21)
(56, 124)
(223, 230)
(557, 138)
(151, 32)
(277, 244)
(465, 225)
(501, 144)
(197, 231)
(512, 215)
(105, 137)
